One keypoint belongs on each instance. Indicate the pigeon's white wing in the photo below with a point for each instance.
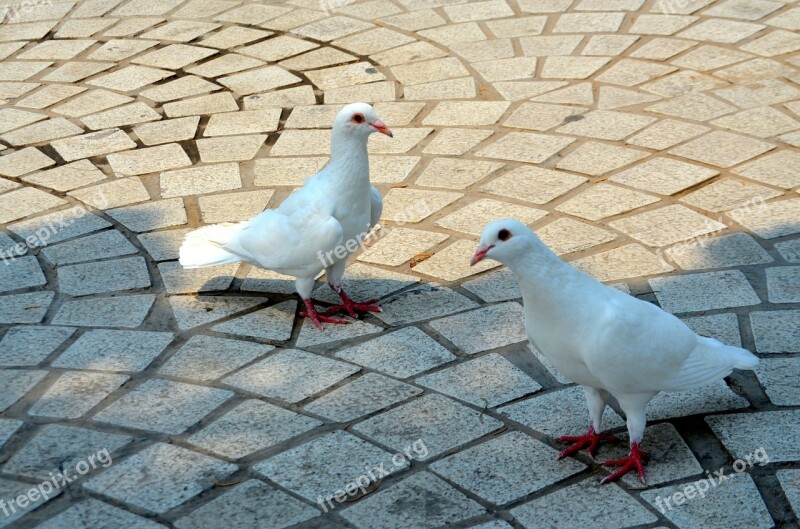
(295, 240)
(376, 207)
(709, 361)
(637, 345)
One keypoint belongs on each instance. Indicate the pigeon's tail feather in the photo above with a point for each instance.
(205, 246)
(709, 361)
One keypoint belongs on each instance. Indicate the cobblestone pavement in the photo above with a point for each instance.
(654, 144)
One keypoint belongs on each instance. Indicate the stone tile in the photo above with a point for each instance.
(614, 97)
(722, 31)
(740, 432)
(737, 249)
(604, 200)
(485, 328)
(41, 132)
(452, 263)
(669, 24)
(583, 503)
(103, 245)
(710, 57)
(98, 277)
(124, 311)
(517, 26)
(429, 71)
(453, 173)
(770, 220)
(776, 332)
(25, 308)
(541, 117)
(401, 353)
(305, 471)
(744, 10)
(311, 337)
(17, 383)
(561, 412)
(152, 215)
(782, 284)
(487, 381)
(21, 70)
(177, 280)
(667, 225)
(416, 51)
(421, 489)
(186, 86)
(478, 11)
(565, 236)
(373, 41)
(174, 56)
(550, 45)
(704, 291)
(682, 83)
(371, 93)
(758, 68)
(500, 285)
(723, 327)
(253, 13)
(331, 28)
(773, 169)
(533, 184)
(14, 118)
(251, 505)
(318, 58)
(130, 78)
(462, 88)
(415, 20)
(391, 169)
(249, 427)
(163, 406)
(24, 161)
(56, 447)
(363, 396)
(400, 245)
(85, 27)
(286, 172)
(209, 104)
(93, 144)
(722, 149)
(181, 30)
(167, 131)
(220, 66)
(111, 350)
(776, 375)
(243, 122)
(692, 106)
(775, 43)
(193, 311)
(291, 375)
(26, 201)
(729, 193)
(456, 141)
(92, 101)
(347, 75)
(7, 429)
(789, 250)
(74, 393)
(29, 346)
(200, 180)
(413, 205)
(112, 194)
(38, 231)
(631, 260)
(664, 176)
(631, 72)
(206, 358)
(595, 158)
(432, 418)
(473, 218)
(67, 177)
(572, 67)
(272, 323)
(526, 147)
(120, 49)
(466, 113)
(506, 468)
(217, 208)
(175, 476)
(764, 122)
(23, 272)
(711, 512)
(286, 98)
(149, 160)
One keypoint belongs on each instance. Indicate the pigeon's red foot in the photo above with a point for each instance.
(352, 308)
(316, 318)
(626, 464)
(589, 440)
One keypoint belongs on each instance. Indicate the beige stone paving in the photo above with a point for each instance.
(653, 143)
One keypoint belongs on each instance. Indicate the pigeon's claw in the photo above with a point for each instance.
(590, 440)
(351, 307)
(318, 319)
(626, 464)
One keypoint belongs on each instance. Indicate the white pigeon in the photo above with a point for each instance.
(607, 341)
(317, 227)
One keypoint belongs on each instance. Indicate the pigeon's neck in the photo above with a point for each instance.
(542, 275)
(349, 158)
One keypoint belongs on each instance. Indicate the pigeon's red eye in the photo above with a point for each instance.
(504, 235)
(358, 118)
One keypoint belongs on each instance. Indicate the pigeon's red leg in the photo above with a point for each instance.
(590, 440)
(351, 307)
(626, 464)
(316, 318)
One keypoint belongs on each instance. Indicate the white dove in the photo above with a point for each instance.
(317, 227)
(607, 341)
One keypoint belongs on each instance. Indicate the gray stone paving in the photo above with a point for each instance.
(653, 144)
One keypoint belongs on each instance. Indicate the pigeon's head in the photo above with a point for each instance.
(359, 120)
(502, 240)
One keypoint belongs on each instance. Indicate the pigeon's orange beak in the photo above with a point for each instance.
(480, 253)
(381, 127)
